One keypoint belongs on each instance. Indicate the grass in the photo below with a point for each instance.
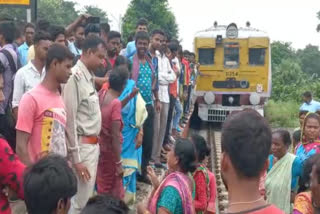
(282, 114)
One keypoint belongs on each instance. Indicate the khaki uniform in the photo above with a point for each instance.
(83, 119)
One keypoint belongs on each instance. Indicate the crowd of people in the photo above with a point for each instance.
(81, 114)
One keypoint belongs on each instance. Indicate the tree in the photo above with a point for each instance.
(58, 12)
(318, 27)
(309, 60)
(281, 51)
(157, 13)
(95, 11)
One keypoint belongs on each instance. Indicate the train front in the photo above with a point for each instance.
(235, 71)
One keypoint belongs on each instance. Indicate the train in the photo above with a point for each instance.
(234, 72)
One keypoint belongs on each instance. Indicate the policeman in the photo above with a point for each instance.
(84, 120)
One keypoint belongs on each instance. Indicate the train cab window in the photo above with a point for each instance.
(231, 55)
(206, 56)
(257, 56)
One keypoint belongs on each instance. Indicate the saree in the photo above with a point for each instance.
(182, 184)
(133, 116)
(303, 203)
(278, 189)
(305, 149)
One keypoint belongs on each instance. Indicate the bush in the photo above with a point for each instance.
(282, 114)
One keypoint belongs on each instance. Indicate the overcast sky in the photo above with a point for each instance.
(286, 20)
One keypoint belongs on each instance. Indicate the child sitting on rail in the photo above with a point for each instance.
(205, 180)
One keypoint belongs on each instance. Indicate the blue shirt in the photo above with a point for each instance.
(295, 172)
(131, 49)
(313, 106)
(76, 51)
(144, 82)
(23, 54)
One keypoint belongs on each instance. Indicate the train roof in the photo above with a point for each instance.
(243, 32)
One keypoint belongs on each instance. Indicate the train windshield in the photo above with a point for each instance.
(257, 56)
(206, 56)
(231, 55)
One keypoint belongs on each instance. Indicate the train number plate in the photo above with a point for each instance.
(232, 73)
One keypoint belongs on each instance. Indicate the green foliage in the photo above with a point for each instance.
(157, 13)
(309, 59)
(95, 11)
(59, 12)
(294, 72)
(282, 114)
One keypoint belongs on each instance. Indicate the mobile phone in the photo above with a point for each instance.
(93, 20)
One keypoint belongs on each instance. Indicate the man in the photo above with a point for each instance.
(33, 73)
(142, 26)
(114, 39)
(8, 68)
(76, 46)
(246, 142)
(23, 49)
(48, 186)
(42, 118)
(166, 76)
(104, 30)
(102, 204)
(309, 104)
(58, 35)
(84, 119)
(186, 84)
(144, 76)
(173, 90)
(42, 25)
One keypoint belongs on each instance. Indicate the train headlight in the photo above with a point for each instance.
(209, 97)
(254, 99)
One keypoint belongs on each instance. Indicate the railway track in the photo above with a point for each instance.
(214, 138)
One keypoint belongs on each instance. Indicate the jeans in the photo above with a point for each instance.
(147, 141)
(170, 117)
(177, 115)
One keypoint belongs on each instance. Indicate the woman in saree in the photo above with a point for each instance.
(303, 201)
(174, 194)
(110, 172)
(283, 172)
(310, 139)
(134, 113)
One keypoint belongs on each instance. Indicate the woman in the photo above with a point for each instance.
(173, 194)
(310, 139)
(11, 174)
(283, 167)
(202, 177)
(303, 201)
(110, 172)
(134, 114)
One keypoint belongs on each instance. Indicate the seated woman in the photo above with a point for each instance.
(303, 201)
(310, 140)
(173, 194)
(202, 178)
(283, 167)
(110, 172)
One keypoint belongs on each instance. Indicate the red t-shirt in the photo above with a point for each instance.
(268, 209)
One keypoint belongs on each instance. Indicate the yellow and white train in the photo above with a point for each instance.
(235, 70)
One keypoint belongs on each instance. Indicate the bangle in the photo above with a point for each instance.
(315, 205)
(119, 162)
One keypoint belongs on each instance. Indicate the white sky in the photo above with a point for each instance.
(285, 20)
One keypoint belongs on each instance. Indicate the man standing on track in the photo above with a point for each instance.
(84, 120)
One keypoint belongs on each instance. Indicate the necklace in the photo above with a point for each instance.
(246, 202)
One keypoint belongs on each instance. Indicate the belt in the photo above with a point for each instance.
(89, 139)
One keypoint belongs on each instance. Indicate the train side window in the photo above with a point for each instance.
(257, 56)
(206, 56)
(231, 55)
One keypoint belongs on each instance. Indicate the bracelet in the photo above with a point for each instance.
(119, 162)
(315, 206)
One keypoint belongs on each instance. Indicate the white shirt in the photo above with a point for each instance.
(176, 61)
(26, 79)
(166, 76)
